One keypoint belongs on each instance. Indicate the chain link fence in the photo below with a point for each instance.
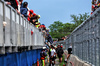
(85, 39)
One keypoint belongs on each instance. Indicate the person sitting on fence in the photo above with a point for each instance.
(42, 27)
(38, 24)
(37, 21)
(21, 3)
(30, 14)
(24, 9)
(98, 4)
(33, 20)
(13, 3)
(93, 7)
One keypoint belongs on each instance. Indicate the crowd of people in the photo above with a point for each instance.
(95, 5)
(53, 53)
(22, 8)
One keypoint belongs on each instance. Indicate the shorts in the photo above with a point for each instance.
(60, 56)
(52, 58)
(70, 52)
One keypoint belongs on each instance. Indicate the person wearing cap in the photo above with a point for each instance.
(37, 21)
(34, 20)
(30, 14)
(24, 10)
(69, 51)
(61, 46)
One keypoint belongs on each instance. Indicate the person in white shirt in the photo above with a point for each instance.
(53, 55)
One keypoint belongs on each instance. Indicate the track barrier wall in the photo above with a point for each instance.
(75, 61)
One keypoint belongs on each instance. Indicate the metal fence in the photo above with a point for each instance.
(17, 32)
(85, 39)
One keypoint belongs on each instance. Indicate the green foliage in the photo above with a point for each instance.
(79, 19)
(59, 30)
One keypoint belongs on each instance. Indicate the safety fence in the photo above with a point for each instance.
(85, 39)
(15, 31)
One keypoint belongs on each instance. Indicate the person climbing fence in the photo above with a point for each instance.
(69, 51)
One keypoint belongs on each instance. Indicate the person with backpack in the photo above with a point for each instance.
(43, 54)
(60, 53)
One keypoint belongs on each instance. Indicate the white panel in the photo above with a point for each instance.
(24, 22)
(17, 18)
(28, 26)
(1, 9)
(13, 16)
(21, 21)
(7, 9)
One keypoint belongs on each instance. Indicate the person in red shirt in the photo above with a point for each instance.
(30, 14)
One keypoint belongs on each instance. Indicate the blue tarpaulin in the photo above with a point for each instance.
(20, 59)
(35, 56)
(2, 61)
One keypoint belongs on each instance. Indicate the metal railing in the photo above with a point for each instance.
(85, 39)
(17, 32)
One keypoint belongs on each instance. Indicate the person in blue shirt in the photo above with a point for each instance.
(49, 38)
(24, 10)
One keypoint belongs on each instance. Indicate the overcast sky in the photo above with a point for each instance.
(58, 10)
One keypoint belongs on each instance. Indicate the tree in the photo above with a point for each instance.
(54, 29)
(79, 19)
(59, 30)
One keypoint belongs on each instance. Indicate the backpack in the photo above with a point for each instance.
(60, 51)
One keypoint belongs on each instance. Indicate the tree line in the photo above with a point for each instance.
(59, 29)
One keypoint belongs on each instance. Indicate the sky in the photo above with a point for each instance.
(58, 10)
